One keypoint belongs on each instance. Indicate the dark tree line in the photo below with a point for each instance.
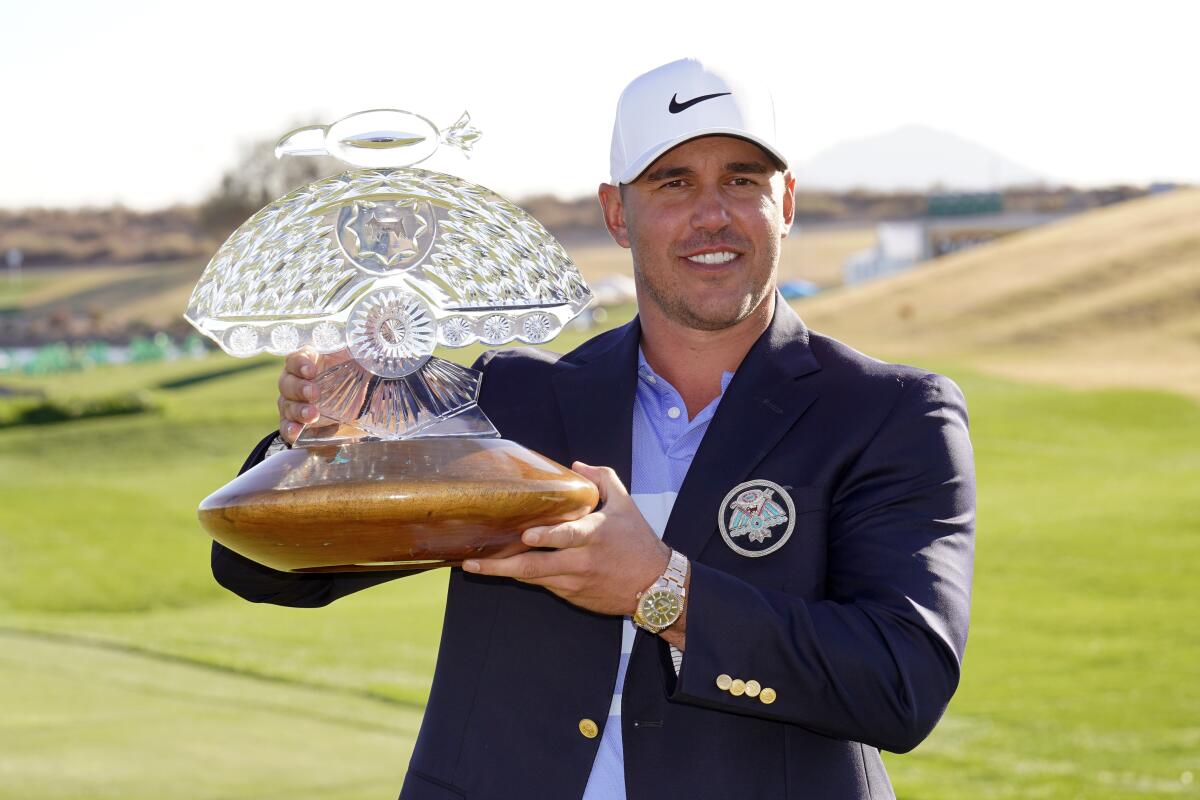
(257, 179)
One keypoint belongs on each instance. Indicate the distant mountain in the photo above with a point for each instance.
(913, 157)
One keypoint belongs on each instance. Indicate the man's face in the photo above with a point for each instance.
(704, 223)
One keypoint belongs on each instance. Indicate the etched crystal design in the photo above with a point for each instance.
(385, 235)
(284, 339)
(391, 333)
(538, 327)
(485, 256)
(376, 266)
(437, 398)
(243, 341)
(456, 332)
(327, 337)
(496, 329)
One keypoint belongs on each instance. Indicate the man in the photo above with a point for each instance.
(788, 522)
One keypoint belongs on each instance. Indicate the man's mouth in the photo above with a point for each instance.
(719, 257)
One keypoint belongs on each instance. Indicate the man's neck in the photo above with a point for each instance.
(693, 360)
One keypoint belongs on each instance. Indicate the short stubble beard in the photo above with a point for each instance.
(677, 311)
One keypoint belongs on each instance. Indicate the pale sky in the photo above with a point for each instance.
(146, 103)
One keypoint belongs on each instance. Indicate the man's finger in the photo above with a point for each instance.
(298, 389)
(527, 567)
(569, 534)
(303, 413)
(302, 363)
(290, 431)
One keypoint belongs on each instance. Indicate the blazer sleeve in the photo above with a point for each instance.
(878, 659)
(260, 584)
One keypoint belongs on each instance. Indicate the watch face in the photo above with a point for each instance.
(660, 607)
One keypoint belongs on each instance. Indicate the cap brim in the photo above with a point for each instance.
(640, 164)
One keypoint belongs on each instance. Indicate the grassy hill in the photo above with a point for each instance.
(1106, 298)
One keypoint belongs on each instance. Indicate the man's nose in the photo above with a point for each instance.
(710, 212)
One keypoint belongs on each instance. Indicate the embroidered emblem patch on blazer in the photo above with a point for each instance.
(756, 518)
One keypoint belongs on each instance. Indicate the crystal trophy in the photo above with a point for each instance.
(374, 268)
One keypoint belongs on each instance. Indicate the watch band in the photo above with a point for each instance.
(677, 569)
(674, 581)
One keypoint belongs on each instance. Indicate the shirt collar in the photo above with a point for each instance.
(646, 374)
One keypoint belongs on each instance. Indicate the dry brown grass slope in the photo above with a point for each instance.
(1107, 298)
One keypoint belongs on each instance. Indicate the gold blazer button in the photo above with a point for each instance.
(724, 682)
(767, 696)
(753, 688)
(588, 728)
(738, 687)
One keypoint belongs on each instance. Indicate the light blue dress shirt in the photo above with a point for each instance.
(664, 443)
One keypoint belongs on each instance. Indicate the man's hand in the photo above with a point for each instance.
(599, 562)
(298, 393)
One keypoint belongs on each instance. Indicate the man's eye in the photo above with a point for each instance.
(675, 184)
(742, 182)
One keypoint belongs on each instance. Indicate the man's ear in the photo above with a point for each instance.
(613, 208)
(789, 201)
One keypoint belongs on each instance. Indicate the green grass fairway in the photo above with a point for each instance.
(103, 722)
(1081, 675)
(125, 671)
(13, 291)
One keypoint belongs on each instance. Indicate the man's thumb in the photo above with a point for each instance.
(605, 478)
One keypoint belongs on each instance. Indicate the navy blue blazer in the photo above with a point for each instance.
(858, 622)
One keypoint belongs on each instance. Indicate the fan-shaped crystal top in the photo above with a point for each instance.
(377, 267)
(292, 273)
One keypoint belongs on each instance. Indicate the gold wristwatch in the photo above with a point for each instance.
(661, 606)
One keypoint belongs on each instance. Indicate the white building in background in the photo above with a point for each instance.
(953, 222)
(898, 246)
(14, 258)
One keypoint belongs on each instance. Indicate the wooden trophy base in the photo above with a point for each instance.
(392, 505)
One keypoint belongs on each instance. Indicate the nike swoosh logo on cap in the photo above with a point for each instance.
(675, 106)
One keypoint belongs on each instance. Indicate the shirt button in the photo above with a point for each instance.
(651, 379)
(673, 412)
(588, 728)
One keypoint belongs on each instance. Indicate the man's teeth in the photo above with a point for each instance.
(723, 257)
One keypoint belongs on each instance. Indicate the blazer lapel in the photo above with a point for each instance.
(762, 402)
(596, 402)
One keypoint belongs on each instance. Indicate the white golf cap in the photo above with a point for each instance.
(683, 100)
